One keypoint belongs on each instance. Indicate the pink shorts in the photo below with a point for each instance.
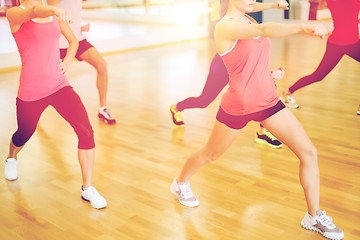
(240, 121)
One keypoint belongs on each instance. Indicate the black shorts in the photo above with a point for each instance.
(240, 121)
(83, 46)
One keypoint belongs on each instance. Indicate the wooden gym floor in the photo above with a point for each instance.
(251, 192)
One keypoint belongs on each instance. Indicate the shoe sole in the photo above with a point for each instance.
(107, 121)
(261, 141)
(91, 204)
(291, 106)
(12, 179)
(181, 202)
(182, 125)
(311, 228)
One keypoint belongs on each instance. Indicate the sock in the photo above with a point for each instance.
(82, 188)
(102, 108)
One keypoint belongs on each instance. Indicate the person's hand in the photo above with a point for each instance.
(85, 28)
(316, 30)
(320, 30)
(63, 66)
(278, 73)
(282, 4)
(62, 14)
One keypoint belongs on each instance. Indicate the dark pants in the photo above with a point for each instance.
(67, 103)
(217, 79)
(332, 56)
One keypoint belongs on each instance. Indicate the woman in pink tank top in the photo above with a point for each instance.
(36, 30)
(245, 49)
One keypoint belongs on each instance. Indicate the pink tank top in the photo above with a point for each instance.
(345, 15)
(38, 45)
(251, 86)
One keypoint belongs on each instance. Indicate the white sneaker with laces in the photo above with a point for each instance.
(184, 194)
(11, 169)
(322, 224)
(91, 195)
(289, 101)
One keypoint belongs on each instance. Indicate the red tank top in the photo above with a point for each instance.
(251, 86)
(345, 15)
(38, 45)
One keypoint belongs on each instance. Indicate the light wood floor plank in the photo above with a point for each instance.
(251, 192)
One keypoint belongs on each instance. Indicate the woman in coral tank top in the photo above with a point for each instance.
(245, 49)
(36, 30)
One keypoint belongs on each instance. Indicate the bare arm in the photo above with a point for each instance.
(228, 30)
(233, 30)
(281, 4)
(17, 16)
(73, 45)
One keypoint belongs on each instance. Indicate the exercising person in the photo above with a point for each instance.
(245, 49)
(36, 29)
(86, 52)
(218, 78)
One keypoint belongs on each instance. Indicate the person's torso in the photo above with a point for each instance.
(345, 15)
(251, 86)
(38, 45)
(75, 6)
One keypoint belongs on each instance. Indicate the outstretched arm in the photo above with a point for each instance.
(229, 30)
(17, 16)
(234, 30)
(281, 4)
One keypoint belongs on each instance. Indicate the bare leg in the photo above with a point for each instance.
(261, 129)
(13, 150)
(288, 130)
(86, 160)
(219, 141)
(93, 57)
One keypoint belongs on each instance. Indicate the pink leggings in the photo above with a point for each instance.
(67, 103)
(332, 56)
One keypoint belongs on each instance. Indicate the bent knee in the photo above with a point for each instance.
(86, 140)
(101, 66)
(19, 138)
(85, 135)
(309, 155)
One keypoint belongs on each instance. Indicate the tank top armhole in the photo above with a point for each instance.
(223, 54)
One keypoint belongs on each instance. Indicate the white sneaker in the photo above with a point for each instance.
(322, 224)
(289, 101)
(358, 111)
(11, 169)
(105, 116)
(184, 194)
(91, 195)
